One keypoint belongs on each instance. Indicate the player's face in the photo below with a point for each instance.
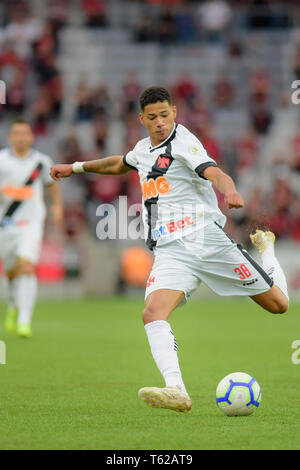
(21, 137)
(158, 118)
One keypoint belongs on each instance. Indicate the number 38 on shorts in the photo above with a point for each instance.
(243, 272)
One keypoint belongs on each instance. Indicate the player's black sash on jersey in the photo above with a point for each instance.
(160, 167)
(6, 220)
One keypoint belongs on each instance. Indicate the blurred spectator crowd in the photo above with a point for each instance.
(207, 20)
(29, 58)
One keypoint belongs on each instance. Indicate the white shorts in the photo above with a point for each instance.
(20, 242)
(213, 258)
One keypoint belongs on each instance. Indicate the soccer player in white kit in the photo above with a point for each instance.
(23, 174)
(184, 228)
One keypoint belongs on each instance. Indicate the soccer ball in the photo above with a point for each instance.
(238, 394)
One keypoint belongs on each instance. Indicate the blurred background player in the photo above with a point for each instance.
(23, 174)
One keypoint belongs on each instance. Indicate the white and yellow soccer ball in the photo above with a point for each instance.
(238, 394)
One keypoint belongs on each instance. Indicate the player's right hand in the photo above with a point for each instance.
(60, 171)
(234, 200)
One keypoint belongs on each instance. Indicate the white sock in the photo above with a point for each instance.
(164, 350)
(26, 290)
(273, 269)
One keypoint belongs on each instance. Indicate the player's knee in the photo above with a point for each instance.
(151, 314)
(24, 267)
(279, 306)
(283, 306)
(10, 275)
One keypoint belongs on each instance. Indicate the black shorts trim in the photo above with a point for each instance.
(258, 268)
(249, 258)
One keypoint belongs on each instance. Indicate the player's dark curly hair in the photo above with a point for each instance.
(153, 95)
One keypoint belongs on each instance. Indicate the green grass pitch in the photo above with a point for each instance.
(74, 384)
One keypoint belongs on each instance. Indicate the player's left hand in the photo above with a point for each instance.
(60, 171)
(57, 213)
(234, 200)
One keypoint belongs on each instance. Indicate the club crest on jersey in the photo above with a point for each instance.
(163, 162)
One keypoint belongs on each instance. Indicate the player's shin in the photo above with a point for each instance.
(26, 291)
(164, 350)
(11, 300)
(11, 313)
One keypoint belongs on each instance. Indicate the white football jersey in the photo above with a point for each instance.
(22, 180)
(177, 199)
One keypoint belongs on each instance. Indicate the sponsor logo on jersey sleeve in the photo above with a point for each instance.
(193, 149)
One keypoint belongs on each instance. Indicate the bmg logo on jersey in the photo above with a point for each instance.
(154, 187)
(2, 92)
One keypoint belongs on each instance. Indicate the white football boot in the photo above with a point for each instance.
(169, 397)
(262, 240)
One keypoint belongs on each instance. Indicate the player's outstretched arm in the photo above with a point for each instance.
(57, 206)
(225, 185)
(106, 166)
